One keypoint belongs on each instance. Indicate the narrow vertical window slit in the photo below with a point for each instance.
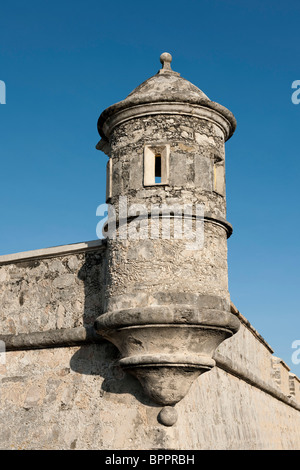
(158, 168)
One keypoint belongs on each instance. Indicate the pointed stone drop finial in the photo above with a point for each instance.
(166, 60)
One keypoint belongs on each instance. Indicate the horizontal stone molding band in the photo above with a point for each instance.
(211, 111)
(169, 316)
(207, 218)
(244, 374)
(87, 335)
(51, 339)
(172, 360)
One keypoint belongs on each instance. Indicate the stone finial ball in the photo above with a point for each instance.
(167, 416)
(165, 57)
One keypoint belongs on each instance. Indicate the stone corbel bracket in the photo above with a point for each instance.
(167, 348)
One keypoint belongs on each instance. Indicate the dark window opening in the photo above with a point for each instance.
(158, 168)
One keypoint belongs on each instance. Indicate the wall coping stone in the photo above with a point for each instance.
(51, 252)
(251, 328)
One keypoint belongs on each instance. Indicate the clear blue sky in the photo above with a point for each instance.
(63, 62)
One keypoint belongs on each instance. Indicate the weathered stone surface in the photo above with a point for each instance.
(49, 293)
(166, 307)
(78, 398)
(189, 159)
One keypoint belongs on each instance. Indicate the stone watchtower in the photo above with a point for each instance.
(167, 306)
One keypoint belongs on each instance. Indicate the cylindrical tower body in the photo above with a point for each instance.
(167, 301)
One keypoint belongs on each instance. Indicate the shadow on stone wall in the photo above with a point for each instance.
(100, 358)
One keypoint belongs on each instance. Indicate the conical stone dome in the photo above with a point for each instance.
(167, 86)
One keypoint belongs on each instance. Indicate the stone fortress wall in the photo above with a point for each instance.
(134, 343)
(61, 386)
